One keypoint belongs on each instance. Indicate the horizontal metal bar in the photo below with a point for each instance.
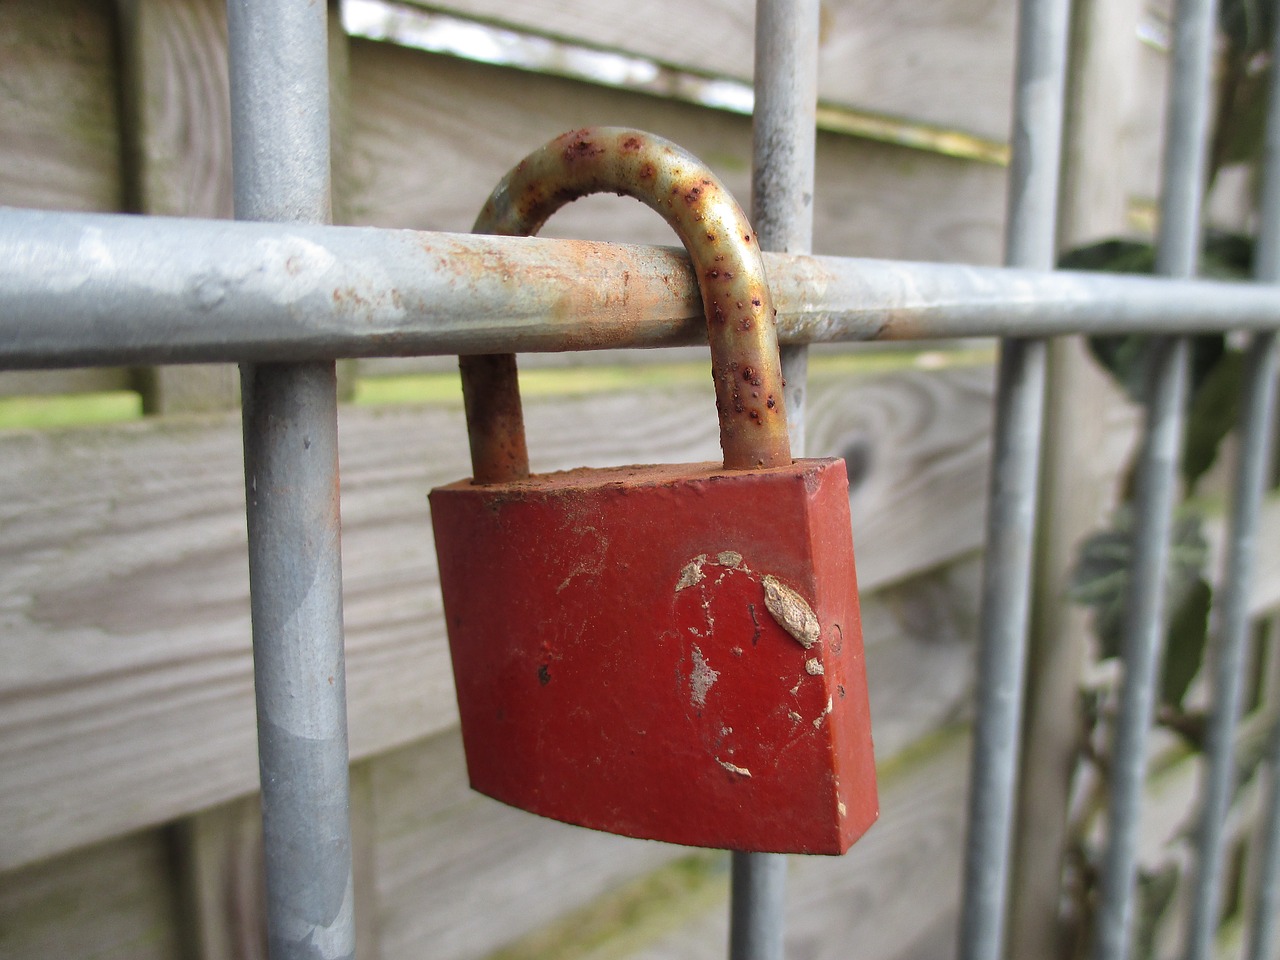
(110, 289)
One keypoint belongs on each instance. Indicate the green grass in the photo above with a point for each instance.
(443, 389)
(79, 409)
(632, 916)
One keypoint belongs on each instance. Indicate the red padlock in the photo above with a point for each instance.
(670, 652)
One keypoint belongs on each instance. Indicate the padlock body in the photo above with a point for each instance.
(629, 652)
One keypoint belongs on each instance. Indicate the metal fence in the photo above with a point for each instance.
(287, 295)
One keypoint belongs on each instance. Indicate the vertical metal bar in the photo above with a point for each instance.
(1039, 92)
(784, 143)
(1178, 249)
(1262, 930)
(784, 130)
(758, 895)
(1252, 468)
(278, 58)
(1263, 926)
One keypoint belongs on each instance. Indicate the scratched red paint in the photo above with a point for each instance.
(594, 691)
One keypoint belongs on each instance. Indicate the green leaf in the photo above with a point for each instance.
(1124, 356)
(1187, 606)
(1156, 892)
(1246, 23)
(1227, 256)
(1111, 256)
(1100, 581)
(1214, 412)
(1185, 642)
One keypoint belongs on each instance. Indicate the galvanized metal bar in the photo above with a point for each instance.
(1039, 109)
(1228, 652)
(1142, 642)
(1264, 924)
(105, 289)
(1177, 255)
(758, 894)
(784, 148)
(278, 58)
(1263, 929)
(784, 131)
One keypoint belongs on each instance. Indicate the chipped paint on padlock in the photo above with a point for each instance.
(671, 652)
(741, 327)
(617, 664)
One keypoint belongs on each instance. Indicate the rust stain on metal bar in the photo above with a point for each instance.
(741, 326)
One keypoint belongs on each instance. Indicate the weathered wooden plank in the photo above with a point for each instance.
(1139, 158)
(113, 901)
(364, 862)
(943, 62)
(221, 880)
(59, 140)
(433, 135)
(126, 698)
(934, 63)
(176, 94)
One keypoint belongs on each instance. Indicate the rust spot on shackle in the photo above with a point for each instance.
(726, 259)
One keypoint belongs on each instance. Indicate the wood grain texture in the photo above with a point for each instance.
(127, 695)
(59, 136)
(944, 62)
(221, 878)
(429, 138)
(432, 136)
(112, 901)
(178, 104)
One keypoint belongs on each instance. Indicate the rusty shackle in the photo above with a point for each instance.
(726, 258)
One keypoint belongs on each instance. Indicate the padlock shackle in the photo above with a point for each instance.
(741, 328)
